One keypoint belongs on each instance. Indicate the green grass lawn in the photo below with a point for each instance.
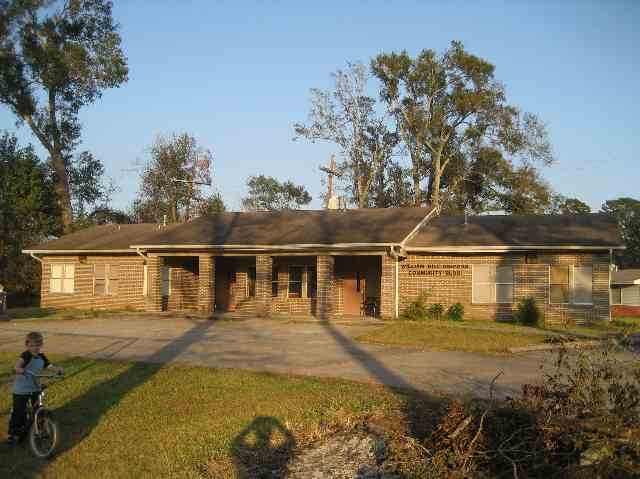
(486, 336)
(449, 335)
(124, 420)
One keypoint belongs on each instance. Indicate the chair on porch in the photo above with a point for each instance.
(369, 307)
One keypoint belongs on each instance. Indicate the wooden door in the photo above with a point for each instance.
(223, 290)
(353, 291)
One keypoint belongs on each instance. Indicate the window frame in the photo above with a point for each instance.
(107, 279)
(494, 284)
(62, 278)
(301, 281)
(572, 284)
(249, 279)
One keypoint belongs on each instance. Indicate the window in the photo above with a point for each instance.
(295, 281)
(570, 284)
(251, 282)
(492, 284)
(311, 281)
(274, 281)
(62, 278)
(106, 279)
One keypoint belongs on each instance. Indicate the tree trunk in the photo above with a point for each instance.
(417, 194)
(362, 193)
(61, 188)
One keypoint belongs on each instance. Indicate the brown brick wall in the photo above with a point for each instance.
(183, 295)
(282, 304)
(129, 294)
(388, 287)
(530, 280)
(325, 266)
(206, 283)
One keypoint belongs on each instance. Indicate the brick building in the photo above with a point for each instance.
(332, 263)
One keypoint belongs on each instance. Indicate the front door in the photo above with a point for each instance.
(225, 281)
(353, 291)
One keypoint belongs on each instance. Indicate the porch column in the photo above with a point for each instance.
(153, 301)
(206, 282)
(325, 266)
(263, 284)
(388, 287)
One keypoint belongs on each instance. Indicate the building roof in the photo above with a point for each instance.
(626, 276)
(592, 230)
(367, 226)
(357, 228)
(99, 238)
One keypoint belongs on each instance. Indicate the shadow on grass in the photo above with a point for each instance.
(78, 417)
(263, 449)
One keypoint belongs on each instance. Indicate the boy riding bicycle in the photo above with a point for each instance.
(26, 386)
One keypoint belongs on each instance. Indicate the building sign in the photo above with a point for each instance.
(434, 269)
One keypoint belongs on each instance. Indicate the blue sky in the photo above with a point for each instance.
(237, 76)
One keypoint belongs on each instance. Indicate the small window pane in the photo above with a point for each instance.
(560, 275)
(56, 270)
(484, 273)
(99, 287)
(559, 293)
(582, 284)
(504, 293)
(504, 274)
(67, 285)
(69, 270)
(55, 285)
(295, 281)
(99, 271)
(312, 282)
(483, 293)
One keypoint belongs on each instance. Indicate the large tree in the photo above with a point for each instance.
(56, 57)
(347, 117)
(450, 105)
(28, 213)
(267, 193)
(172, 180)
(627, 212)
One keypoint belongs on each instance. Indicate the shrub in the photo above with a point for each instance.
(417, 309)
(455, 312)
(529, 313)
(435, 311)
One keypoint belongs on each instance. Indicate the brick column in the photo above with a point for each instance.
(263, 284)
(206, 282)
(153, 301)
(388, 287)
(325, 270)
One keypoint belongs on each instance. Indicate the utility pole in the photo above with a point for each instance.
(331, 170)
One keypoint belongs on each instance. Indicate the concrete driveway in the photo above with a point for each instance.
(327, 350)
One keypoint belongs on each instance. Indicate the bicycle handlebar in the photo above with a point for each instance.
(49, 376)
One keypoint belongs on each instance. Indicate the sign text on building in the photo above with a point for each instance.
(433, 269)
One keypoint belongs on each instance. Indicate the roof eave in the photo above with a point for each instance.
(507, 248)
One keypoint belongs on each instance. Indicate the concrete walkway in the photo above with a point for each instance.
(327, 350)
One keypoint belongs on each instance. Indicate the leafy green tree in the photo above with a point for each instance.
(86, 180)
(267, 193)
(172, 179)
(54, 59)
(627, 213)
(569, 206)
(450, 105)
(347, 117)
(212, 204)
(28, 214)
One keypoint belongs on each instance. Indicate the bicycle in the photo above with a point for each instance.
(41, 429)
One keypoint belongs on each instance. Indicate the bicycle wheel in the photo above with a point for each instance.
(43, 435)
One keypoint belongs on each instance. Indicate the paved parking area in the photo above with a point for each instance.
(315, 349)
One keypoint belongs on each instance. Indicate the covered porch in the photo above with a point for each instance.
(320, 286)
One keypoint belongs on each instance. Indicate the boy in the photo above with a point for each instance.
(26, 387)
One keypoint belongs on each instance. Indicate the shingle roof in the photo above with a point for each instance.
(585, 230)
(298, 227)
(626, 276)
(99, 238)
(377, 227)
